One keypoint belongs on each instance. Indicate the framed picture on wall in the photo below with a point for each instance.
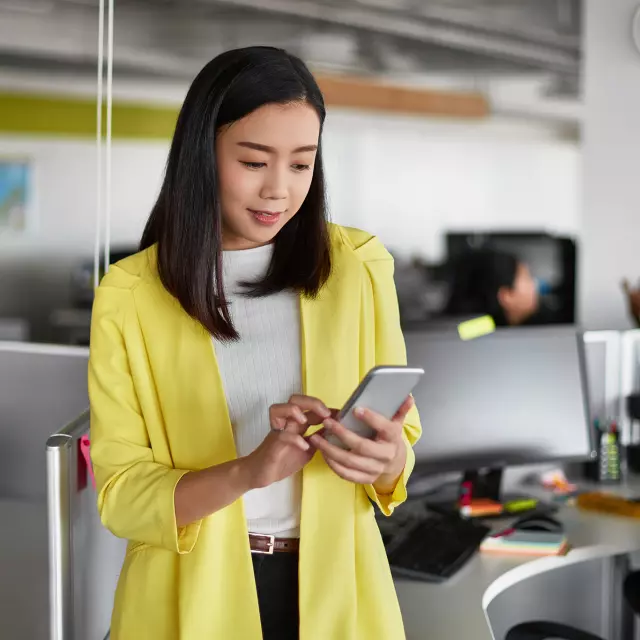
(15, 194)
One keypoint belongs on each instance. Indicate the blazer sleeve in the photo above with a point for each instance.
(135, 492)
(389, 349)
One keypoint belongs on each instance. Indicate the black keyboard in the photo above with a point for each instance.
(433, 547)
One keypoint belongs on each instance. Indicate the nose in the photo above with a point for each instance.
(275, 185)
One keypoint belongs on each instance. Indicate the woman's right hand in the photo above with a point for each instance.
(284, 451)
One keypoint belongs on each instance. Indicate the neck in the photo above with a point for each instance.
(515, 317)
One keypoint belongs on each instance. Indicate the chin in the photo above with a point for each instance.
(253, 236)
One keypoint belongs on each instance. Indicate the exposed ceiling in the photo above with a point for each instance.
(474, 41)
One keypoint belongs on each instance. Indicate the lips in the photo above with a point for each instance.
(265, 213)
(266, 217)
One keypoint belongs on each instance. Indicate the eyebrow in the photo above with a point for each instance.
(264, 147)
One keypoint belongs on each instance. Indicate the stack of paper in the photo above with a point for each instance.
(532, 543)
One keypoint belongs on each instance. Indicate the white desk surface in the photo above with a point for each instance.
(453, 610)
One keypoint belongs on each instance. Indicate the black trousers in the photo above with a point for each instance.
(277, 584)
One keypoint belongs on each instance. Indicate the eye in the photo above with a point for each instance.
(301, 167)
(254, 165)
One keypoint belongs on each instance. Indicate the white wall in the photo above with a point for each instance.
(64, 192)
(410, 179)
(611, 216)
(406, 179)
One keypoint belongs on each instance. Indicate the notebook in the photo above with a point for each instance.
(532, 543)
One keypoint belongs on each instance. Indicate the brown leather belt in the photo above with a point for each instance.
(270, 544)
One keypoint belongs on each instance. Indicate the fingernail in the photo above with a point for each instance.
(326, 413)
(327, 425)
(359, 411)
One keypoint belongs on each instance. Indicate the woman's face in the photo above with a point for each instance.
(265, 166)
(520, 301)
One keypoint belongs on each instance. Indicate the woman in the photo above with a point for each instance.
(496, 284)
(243, 318)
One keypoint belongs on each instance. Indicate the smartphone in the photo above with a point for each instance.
(382, 390)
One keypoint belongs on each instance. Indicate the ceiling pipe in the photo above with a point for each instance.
(557, 59)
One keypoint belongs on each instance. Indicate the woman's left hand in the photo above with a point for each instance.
(380, 461)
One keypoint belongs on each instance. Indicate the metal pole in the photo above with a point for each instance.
(108, 141)
(59, 525)
(99, 105)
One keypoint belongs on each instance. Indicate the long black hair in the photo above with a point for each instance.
(186, 221)
(477, 277)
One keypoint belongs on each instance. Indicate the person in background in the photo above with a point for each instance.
(633, 301)
(242, 320)
(489, 282)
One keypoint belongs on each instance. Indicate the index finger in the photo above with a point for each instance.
(314, 407)
(383, 427)
(404, 409)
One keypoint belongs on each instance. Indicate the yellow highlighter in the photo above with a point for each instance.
(476, 328)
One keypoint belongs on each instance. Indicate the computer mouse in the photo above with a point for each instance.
(538, 523)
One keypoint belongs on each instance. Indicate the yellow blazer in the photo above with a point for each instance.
(158, 410)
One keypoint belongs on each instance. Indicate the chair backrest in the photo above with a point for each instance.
(84, 558)
(41, 387)
(582, 590)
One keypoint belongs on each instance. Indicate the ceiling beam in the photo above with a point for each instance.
(525, 52)
(364, 94)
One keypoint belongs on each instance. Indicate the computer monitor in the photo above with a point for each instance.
(510, 398)
(551, 259)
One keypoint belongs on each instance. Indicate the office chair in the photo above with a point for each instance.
(545, 630)
(540, 630)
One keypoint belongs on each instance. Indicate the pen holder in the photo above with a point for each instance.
(607, 467)
(609, 464)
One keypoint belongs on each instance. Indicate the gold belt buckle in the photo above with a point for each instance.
(271, 541)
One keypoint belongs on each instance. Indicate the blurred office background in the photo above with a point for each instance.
(454, 126)
(488, 135)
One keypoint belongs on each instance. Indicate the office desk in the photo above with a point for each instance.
(453, 610)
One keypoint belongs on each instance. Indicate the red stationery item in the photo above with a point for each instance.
(466, 491)
(505, 532)
(84, 450)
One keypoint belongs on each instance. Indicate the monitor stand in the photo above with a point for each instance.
(485, 484)
(482, 484)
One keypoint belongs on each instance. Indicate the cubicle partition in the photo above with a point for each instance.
(84, 558)
(630, 381)
(41, 387)
(603, 350)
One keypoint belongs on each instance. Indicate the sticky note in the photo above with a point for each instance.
(476, 328)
